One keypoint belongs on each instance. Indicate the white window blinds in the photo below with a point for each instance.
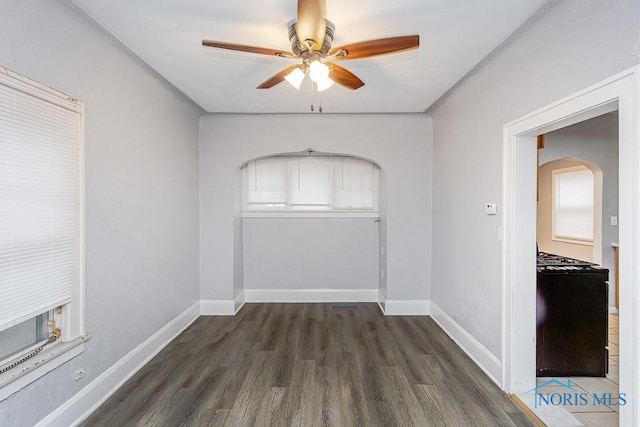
(353, 183)
(318, 183)
(310, 183)
(40, 142)
(267, 182)
(573, 203)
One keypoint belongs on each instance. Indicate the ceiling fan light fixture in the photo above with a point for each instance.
(318, 71)
(311, 36)
(325, 83)
(295, 77)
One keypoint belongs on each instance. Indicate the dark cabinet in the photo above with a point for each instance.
(573, 322)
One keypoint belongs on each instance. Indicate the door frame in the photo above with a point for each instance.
(620, 92)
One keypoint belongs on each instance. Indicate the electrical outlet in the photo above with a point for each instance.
(78, 374)
(614, 220)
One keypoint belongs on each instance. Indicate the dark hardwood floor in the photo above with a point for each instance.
(310, 365)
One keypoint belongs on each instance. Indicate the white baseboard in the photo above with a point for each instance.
(311, 295)
(613, 310)
(489, 363)
(382, 300)
(238, 302)
(82, 404)
(399, 307)
(218, 307)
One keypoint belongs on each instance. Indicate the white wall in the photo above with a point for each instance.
(400, 144)
(310, 253)
(595, 141)
(567, 46)
(141, 183)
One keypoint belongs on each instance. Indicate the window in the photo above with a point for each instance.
(266, 183)
(573, 201)
(353, 183)
(310, 185)
(24, 335)
(41, 217)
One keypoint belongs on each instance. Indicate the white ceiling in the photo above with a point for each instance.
(454, 36)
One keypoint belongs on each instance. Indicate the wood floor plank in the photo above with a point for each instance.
(398, 391)
(351, 392)
(253, 390)
(439, 409)
(269, 406)
(300, 399)
(310, 365)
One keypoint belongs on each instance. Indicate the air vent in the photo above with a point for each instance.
(345, 307)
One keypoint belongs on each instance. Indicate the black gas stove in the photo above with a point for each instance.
(551, 262)
(572, 317)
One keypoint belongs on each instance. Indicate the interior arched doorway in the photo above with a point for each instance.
(310, 230)
(581, 177)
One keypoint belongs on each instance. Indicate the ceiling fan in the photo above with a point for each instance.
(311, 36)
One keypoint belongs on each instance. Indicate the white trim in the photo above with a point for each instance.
(218, 307)
(82, 404)
(482, 357)
(37, 89)
(238, 302)
(613, 310)
(409, 307)
(382, 301)
(311, 295)
(311, 214)
(620, 92)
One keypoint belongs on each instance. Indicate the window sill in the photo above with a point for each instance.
(44, 362)
(311, 214)
(573, 241)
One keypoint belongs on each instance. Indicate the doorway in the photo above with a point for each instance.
(519, 188)
(577, 203)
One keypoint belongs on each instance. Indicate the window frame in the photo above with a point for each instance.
(563, 238)
(71, 316)
(287, 211)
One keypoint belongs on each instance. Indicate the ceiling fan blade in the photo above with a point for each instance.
(344, 77)
(312, 22)
(276, 78)
(376, 47)
(244, 48)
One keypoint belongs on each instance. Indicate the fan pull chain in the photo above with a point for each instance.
(311, 96)
(319, 99)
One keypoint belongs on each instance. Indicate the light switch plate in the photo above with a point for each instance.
(491, 208)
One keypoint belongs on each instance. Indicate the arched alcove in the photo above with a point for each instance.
(588, 251)
(400, 145)
(309, 255)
